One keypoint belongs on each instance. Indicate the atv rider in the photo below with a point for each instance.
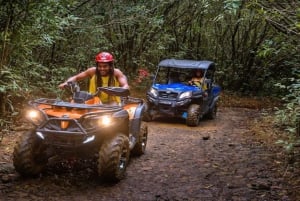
(103, 75)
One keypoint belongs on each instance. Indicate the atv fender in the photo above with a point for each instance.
(136, 120)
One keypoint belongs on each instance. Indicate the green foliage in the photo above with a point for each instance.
(288, 117)
(7, 81)
(290, 144)
(29, 32)
(232, 6)
(280, 54)
(290, 114)
(8, 86)
(4, 125)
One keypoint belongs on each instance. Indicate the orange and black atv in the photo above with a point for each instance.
(85, 129)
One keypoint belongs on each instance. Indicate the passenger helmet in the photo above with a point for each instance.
(104, 57)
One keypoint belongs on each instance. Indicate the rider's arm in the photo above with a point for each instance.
(88, 73)
(121, 78)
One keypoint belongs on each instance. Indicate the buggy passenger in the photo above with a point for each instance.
(198, 79)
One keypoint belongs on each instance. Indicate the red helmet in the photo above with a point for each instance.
(104, 57)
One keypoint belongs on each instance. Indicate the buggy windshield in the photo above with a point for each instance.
(179, 71)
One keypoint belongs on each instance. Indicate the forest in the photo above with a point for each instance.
(255, 45)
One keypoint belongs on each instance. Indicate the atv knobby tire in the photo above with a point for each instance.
(193, 115)
(113, 158)
(28, 156)
(140, 146)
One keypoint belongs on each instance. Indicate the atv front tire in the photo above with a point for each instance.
(140, 146)
(113, 158)
(193, 115)
(28, 157)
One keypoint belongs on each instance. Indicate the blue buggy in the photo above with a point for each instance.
(172, 95)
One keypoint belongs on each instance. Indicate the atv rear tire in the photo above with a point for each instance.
(28, 156)
(193, 115)
(113, 158)
(140, 146)
(212, 113)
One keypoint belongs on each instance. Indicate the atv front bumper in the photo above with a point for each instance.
(65, 132)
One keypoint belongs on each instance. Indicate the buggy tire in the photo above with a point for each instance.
(193, 115)
(28, 156)
(113, 158)
(147, 117)
(212, 113)
(140, 146)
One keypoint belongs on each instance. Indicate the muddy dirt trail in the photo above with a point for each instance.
(220, 160)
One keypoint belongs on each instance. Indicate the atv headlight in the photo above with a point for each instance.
(104, 121)
(35, 116)
(153, 92)
(184, 95)
(98, 121)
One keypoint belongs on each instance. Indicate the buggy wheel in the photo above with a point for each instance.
(140, 146)
(193, 115)
(147, 117)
(113, 158)
(212, 113)
(29, 158)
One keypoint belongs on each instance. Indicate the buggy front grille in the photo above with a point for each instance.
(168, 95)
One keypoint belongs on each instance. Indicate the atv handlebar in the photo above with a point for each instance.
(115, 91)
(74, 86)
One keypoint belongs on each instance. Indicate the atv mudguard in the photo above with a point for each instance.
(135, 108)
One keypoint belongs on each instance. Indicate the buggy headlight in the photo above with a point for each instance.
(187, 94)
(35, 116)
(153, 92)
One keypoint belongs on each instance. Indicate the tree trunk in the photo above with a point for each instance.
(2, 105)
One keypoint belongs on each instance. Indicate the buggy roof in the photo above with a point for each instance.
(176, 63)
